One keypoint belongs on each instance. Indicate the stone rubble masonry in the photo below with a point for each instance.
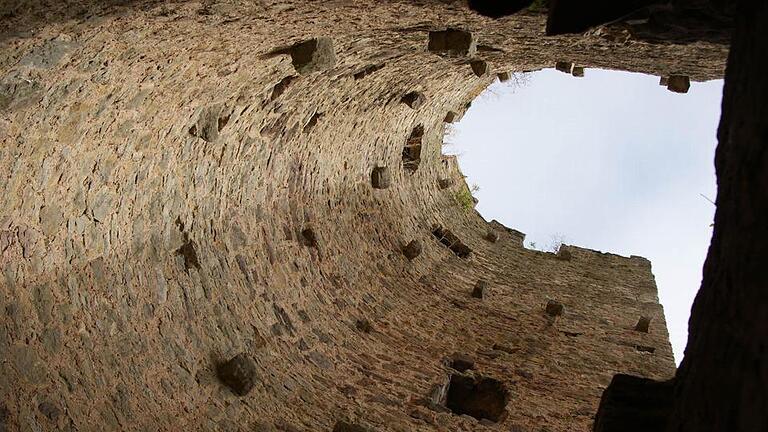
(164, 207)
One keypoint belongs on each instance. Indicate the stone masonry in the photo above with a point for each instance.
(187, 183)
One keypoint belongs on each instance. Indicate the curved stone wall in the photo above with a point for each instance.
(179, 189)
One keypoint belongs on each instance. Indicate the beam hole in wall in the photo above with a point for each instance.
(412, 150)
(478, 397)
(448, 239)
(605, 160)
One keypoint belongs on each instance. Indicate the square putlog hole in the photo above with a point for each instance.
(481, 398)
(239, 374)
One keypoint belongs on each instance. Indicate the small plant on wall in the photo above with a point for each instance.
(464, 197)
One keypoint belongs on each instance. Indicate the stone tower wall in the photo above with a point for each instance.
(169, 199)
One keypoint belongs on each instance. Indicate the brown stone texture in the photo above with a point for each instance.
(178, 189)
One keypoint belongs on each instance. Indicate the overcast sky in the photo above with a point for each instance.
(612, 162)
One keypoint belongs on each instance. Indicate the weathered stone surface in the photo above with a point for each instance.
(238, 373)
(49, 54)
(503, 76)
(454, 42)
(577, 71)
(162, 114)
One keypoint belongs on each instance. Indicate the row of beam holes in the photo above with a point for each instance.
(452, 242)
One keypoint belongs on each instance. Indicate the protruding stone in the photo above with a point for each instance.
(565, 67)
(312, 55)
(453, 42)
(503, 76)
(480, 290)
(380, 178)
(678, 83)
(413, 99)
(412, 250)
(643, 324)
(461, 362)
(239, 374)
(578, 71)
(554, 308)
(450, 117)
(480, 67)
(491, 236)
(563, 253)
(663, 81)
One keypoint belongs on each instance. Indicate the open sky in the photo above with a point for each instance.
(611, 161)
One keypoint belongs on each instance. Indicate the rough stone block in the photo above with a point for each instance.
(678, 83)
(312, 55)
(563, 253)
(413, 99)
(380, 178)
(554, 308)
(461, 362)
(480, 290)
(239, 374)
(412, 249)
(480, 68)
(565, 67)
(578, 71)
(450, 117)
(452, 42)
(503, 76)
(492, 236)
